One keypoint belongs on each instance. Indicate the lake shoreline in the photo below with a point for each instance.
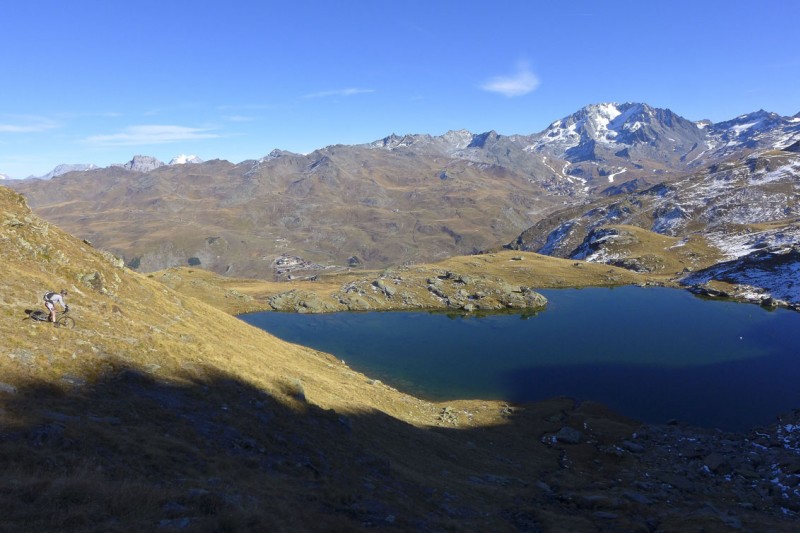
(591, 343)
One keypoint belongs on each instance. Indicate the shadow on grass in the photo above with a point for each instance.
(131, 453)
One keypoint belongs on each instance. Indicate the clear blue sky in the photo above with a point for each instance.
(100, 81)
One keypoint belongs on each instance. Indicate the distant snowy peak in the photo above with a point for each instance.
(614, 127)
(635, 131)
(141, 163)
(751, 122)
(452, 143)
(757, 130)
(4, 177)
(63, 169)
(395, 141)
(184, 159)
(457, 139)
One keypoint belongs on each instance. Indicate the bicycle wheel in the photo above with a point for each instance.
(65, 322)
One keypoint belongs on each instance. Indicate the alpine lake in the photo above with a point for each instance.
(653, 354)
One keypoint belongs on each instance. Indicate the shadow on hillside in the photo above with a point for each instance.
(131, 453)
(733, 396)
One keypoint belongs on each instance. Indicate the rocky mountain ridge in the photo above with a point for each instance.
(600, 133)
(402, 199)
(139, 163)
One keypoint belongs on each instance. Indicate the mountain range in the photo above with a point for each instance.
(410, 198)
(139, 163)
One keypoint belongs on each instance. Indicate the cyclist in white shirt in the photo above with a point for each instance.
(53, 298)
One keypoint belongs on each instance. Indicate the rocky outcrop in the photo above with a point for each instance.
(768, 277)
(406, 290)
(142, 163)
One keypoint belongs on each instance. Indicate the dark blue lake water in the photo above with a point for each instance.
(650, 353)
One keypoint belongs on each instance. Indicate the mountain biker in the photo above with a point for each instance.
(53, 298)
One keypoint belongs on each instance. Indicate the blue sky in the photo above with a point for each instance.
(98, 82)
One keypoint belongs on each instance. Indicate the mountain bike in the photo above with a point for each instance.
(63, 321)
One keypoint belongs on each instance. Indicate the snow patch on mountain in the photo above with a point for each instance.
(670, 219)
(736, 245)
(788, 171)
(590, 123)
(759, 275)
(556, 238)
(184, 159)
(615, 174)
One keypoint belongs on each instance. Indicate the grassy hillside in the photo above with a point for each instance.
(160, 412)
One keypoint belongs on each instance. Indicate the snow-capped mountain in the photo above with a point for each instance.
(757, 130)
(63, 169)
(598, 131)
(612, 133)
(4, 177)
(184, 159)
(641, 145)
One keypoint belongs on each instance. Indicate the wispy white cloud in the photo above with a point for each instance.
(26, 124)
(152, 134)
(522, 82)
(339, 92)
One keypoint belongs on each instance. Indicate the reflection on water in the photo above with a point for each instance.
(654, 354)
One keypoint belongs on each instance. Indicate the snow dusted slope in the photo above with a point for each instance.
(756, 130)
(748, 210)
(770, 276)
(760, 189)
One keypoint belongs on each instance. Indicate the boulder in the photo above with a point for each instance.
(568, 435)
